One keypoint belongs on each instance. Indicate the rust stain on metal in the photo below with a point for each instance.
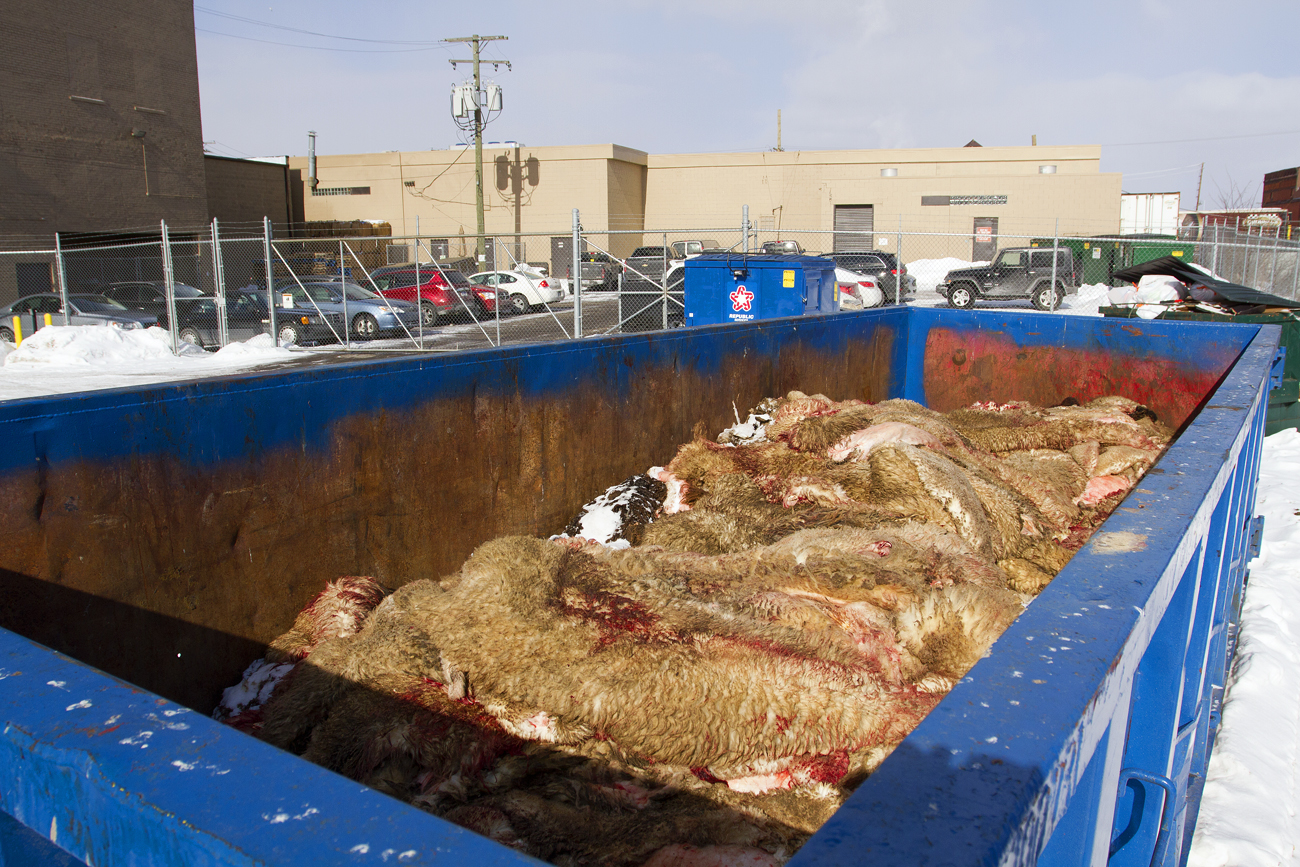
(174, 576)
(996, 367)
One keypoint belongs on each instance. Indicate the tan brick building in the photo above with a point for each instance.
(1013, 190)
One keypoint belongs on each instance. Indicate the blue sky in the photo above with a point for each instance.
(1163, 86)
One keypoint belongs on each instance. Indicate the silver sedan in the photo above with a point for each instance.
(82, 310)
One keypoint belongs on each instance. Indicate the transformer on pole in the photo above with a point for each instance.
(470, 106)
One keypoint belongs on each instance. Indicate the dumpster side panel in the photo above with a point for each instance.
(1045, 360)
(1013, 751)
(165, 535)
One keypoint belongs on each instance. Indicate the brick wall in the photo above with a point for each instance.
(73, 164)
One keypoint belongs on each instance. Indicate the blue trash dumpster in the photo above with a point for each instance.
(739, 287)
(156, 538)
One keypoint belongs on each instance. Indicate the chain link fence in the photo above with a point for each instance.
(221, 284)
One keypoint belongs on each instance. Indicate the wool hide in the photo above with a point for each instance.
(715, 653)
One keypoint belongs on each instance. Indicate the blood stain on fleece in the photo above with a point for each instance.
(761, 622)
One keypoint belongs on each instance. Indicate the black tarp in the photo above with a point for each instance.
(1230, 293)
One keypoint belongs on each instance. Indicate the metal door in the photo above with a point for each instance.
(854, 225)
(984, 239)
(562, 256)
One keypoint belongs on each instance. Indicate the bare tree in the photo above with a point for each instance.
(1238, 195)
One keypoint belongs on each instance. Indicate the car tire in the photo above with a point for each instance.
(428, 314)
(288, 332)
(518, 304)
(191, 335)
(1042, 296)
(7, 334)
(676, 320)
(365, 327)
(961, 296)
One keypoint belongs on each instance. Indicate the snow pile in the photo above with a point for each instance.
(68, 358)
(260, 680)
(1088, 301)
(1248, 814)
(91, 344)
(930, 272)
(259, 348)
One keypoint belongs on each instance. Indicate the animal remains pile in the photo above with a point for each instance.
(717, 652)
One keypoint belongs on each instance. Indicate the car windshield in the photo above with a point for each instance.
(648, 251)
(97, 303)
(359, 293)
(456, 278)
(183, 291)
(319, 292)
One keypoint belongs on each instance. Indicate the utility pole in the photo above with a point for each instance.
(476, 41)
(1199, 178)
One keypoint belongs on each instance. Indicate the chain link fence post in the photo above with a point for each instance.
(219, 291)
(169, 284)
(577, 275)
(1056, 243)
(63, 276)
(270, 279)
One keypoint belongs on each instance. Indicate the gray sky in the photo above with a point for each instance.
(1163, 86)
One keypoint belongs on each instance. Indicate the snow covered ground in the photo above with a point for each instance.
(1250, 812)
(67, 358)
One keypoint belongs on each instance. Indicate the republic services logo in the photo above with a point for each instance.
(741, 298)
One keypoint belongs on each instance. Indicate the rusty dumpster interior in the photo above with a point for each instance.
(166, 534)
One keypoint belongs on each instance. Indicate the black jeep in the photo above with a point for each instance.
(1018, 272)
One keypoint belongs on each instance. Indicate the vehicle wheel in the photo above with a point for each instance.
(518, 304)
(1044, 295)
(365, 327)
(961, 296)
(7, 334)
(191, 335)
(428, 313)
(287, 332)
(676, 320)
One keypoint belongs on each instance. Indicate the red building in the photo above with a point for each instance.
(1282, 190)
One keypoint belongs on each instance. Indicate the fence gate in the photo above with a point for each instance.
(854, 225)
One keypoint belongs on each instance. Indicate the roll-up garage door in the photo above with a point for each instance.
(854, 225)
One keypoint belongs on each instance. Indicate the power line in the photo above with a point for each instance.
(313, 32)
(320, 47)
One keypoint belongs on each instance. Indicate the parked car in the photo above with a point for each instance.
(437, 289)
(247, 316)
(790, 248)
(148, 296)
(683, 250)
(82, 310)
(1017, 272)
(520, 291)
(599, 270)
(858, 291)
(647, 263)
(369, 314)
(883, 266)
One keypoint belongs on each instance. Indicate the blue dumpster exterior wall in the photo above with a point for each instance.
(722, 287)
(1112, 675)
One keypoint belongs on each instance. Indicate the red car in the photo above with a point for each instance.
(443, 294)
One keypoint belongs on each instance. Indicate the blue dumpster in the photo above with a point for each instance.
(155, 539)
(739, 287)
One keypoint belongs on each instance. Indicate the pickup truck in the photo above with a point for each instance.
(1017, 272)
